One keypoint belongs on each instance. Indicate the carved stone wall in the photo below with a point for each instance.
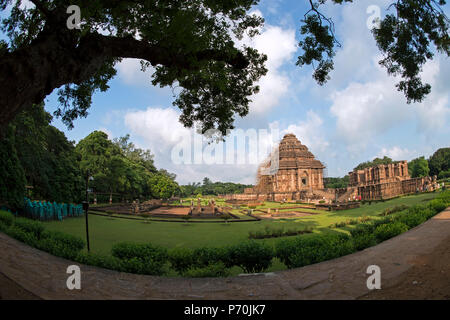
(298, 170)
(392, 172)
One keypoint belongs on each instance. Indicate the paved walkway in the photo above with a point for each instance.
(42, 275)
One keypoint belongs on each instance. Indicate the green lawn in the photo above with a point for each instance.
(104, 231)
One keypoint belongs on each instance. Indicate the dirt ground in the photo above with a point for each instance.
(429, 278)
(171, 211)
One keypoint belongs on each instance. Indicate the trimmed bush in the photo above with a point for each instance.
(21, 235)
(215, 270)
(60, 244)
(301, 251)
(205, 256)
(438, 205)
(32, 226)
(58, 248)
(389, 230)
(181, 259)
(414, 219)
(251, 256)
(362, 229)
(363, 241)
(395, 209)
(141, 258)
(277, 232)
(64, 239)
(99, 260)
(6, 218)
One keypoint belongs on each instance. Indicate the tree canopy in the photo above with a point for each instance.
(118, 167)
(37, 156)
(374, 162)
(407, 38)
(418, 168)
(191, 46)
(40, 157)
(212, 188)
(439, 161)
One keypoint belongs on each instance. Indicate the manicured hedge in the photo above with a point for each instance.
(56, 243)
(214, 270)
(181, 259)
(302, 251)
(6, 218)
(252, 256)
(386, 231)
(271, 232)
(34, 227)
(141, 258)
(21, 235)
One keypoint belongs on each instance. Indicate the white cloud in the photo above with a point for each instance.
(364, 111)
(279, 45)
(107, 131)
(397, 153)
(26, 4)
(310, 132)
(130, 72)
(159, 127)
(161, 131)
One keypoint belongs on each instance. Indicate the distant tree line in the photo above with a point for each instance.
(336, 183)
(375, 162)
(207, 187)
(37, 160)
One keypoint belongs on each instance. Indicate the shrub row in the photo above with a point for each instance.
(392, 210)
(34, 234)
(140, 258)
(269, 232)
(6, 218)
(349, 222)
(251, 256)
(302, 251)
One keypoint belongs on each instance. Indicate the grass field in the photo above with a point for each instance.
(105, 231)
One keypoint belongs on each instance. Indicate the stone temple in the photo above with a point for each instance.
(293, 173)
(296, 172)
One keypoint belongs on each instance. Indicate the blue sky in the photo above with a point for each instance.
(355, 117)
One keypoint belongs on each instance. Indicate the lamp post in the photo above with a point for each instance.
(86, 207)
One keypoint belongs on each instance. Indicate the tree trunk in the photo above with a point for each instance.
(29, 74)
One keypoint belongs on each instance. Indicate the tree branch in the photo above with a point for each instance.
(41, 7)
(114, 47)
(320, 16)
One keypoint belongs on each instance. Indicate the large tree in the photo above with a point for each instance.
(375, 162)
(191, 46)
(407, 37)
(439, 161)
(418, 168)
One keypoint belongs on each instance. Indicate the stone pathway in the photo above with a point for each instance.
(39, 274)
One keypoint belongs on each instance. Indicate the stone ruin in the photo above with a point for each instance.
(292, 173)
(137, 208)
(209, 210)
(388, 181)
